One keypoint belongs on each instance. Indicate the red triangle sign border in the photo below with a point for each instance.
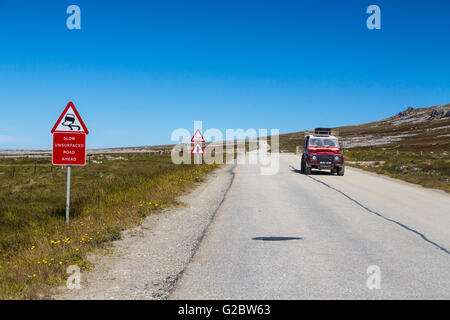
(70, 104)
(202, 140)
(200, 145)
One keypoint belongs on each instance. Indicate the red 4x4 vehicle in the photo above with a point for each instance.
(321, 151)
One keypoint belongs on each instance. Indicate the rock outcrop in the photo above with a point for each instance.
(437, 114)
(406, 112)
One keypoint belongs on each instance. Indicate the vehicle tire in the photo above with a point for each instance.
(341, 171)
(333, 171)
(307, 169)
(302, 166)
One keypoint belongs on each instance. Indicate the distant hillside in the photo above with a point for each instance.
(421, 129)
(414, 129)
(89, 152)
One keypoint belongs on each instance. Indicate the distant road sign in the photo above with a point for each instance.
(69, 138)
(198, 149)
(69, 148)
(197, 137)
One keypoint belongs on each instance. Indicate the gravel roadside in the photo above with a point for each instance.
(148, 261)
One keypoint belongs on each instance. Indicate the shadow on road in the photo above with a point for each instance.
(276, 238)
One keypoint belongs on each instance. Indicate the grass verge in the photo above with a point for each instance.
(429, 169)
(108, 195)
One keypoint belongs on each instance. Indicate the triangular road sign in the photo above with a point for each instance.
(198, 149)
(197, 137)
(70, 120)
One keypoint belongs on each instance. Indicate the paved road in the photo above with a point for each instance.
(291, 236)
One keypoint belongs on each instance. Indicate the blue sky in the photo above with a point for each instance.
(139, 69)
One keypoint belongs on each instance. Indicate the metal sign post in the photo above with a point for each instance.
(68, 195)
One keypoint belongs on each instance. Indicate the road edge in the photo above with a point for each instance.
(168, 240)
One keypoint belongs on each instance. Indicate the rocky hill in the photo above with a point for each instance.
(414, 129)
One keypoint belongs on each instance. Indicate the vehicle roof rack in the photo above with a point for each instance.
(322, 131)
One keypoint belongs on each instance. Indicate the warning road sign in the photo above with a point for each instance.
(70, 121)
(69, 138)
(198, 149)
(197, 137)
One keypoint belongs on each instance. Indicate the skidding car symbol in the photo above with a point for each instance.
(69, 121)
